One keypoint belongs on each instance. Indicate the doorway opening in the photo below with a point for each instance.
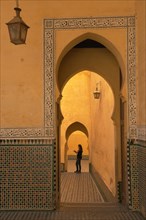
(86, 65)
(76, 133)
(83, 123)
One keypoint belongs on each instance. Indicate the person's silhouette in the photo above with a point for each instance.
(79, 157)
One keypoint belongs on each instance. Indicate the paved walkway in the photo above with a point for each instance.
(79, 188)
(71, 165)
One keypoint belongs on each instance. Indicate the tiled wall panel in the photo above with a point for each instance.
(137, 177)
(26, 177)
(134, 178)
(142, 179)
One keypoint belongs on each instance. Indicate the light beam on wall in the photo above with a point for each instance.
(17, 28)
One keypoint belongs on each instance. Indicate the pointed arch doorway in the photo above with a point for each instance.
(76, 133)
(99, 56)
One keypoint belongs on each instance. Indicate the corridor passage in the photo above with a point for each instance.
(79, 188)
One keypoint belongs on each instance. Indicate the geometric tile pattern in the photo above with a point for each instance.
(134, 177)
(26, 174)
(136, 161)
(119, 191)
(75, 213)
(129, 175)
(142, 178)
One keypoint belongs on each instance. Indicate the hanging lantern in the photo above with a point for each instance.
(97, 92)
(17, 28)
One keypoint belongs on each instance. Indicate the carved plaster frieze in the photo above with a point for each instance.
(50, 27)
(93, 22)
(21, 132)
(131, 76)
(141, 133)
(30, 142)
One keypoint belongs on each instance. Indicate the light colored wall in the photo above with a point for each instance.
(103, 135)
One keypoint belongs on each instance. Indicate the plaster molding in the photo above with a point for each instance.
(24, 142)
(50, 27)
(141, 131)
(123, 98)
(131, 76)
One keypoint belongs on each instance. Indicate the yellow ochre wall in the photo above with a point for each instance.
(21, 68)
(103, 142)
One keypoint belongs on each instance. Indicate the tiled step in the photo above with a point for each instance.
(98, 208)
(95, 205)
(100, 204)
(71, 214)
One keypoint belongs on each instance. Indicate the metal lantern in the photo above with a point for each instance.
(17, 28)
(97, 92)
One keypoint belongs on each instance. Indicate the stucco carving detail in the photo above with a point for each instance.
(21, 132)
(131, 76)
(30, 142)
(141, 131)
(50, 27)
(99, 22)
(48, 78)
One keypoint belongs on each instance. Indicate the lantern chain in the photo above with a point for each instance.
(17, 3)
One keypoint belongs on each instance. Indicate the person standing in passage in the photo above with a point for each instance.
(79, 157)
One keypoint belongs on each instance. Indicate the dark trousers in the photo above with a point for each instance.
(78, 164)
